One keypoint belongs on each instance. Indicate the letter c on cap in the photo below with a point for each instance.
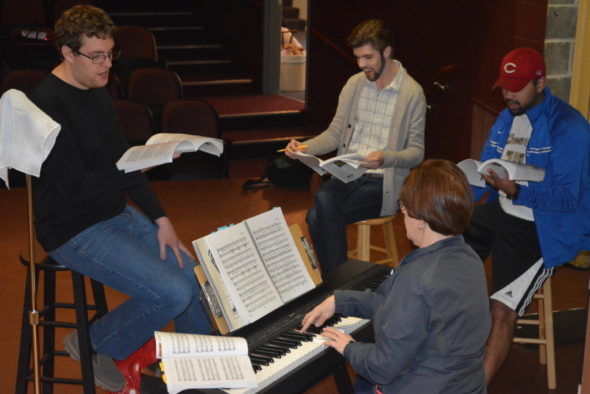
(509, 68)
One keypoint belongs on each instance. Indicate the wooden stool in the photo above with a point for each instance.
(364, 247)
(47, 320)
(545, 340)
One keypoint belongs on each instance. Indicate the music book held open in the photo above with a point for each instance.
(249, 269)
(160, 148)
(203, 361)
(474, 169)
(346, 167)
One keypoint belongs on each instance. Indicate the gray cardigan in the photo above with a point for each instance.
(405, 148)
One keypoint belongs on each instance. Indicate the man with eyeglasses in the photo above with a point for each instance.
(83, 220)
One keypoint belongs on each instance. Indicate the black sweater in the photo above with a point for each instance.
(79, 184)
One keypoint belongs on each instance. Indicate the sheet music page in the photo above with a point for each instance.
(243, 272)
(470, 169)
(281, 257)
(143, 156)
(345, 167)
(230, 372)
(178, 345)
(311, 161)
(189, 142)
(211, 271)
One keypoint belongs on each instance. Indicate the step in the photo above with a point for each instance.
(290, 12)
(286, 118)
(271, 135)
(178, 35)
(154, 18)
(264, 142)
(198, 62)
(214, 79)
(254, 105)
(205, 69)
(191, 51)
(294, 24)
(219, 87)
(115, 6)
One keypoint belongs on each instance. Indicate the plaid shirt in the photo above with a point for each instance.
(374, 114)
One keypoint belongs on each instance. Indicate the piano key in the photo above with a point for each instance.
(295, 336)
(333, 320)
(260, 360)
(314, 330)
(298, 356)
(267, 353)
(354, 275)
(285, 342)
(283, 350)
(305, 336)
(275, 350)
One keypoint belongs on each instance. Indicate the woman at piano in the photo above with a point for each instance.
(431, 316)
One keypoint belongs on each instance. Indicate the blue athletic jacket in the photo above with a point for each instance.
(560, 143)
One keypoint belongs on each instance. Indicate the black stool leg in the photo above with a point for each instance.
(83, 333)
(48, 330)
(100, 300)
(26, 339)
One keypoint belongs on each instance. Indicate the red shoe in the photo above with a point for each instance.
(131, 367)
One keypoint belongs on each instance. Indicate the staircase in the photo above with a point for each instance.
(210, 66)
(204, 64)
(291, 19)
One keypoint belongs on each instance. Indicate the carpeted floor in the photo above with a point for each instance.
(228, 106)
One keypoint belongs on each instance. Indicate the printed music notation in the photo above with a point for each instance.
(203, 361)
(257, 267)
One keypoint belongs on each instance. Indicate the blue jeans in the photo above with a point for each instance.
(338, 204)
(123, 253)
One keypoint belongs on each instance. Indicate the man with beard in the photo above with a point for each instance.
(380, 114)
(529, 228)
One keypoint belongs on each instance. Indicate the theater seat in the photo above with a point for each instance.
(23, 80)
(154, 87)
(136, 121)
(138, 50)
(196, 117)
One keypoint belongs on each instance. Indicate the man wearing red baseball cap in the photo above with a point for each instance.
(530, 227)
(519, 67)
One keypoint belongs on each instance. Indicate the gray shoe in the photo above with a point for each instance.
(106, 373)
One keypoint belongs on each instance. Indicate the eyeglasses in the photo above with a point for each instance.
(101, 58)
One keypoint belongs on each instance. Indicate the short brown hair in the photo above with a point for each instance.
(371, 31)
(82, 20)
(438, 193)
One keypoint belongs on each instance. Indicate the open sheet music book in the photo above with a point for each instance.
(474, 169)
(203, 361)
(346, 167)
(160, 148)
(251, 268)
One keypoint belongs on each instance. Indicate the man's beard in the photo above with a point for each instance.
(522, 107)
(516, 111)
(378, 73)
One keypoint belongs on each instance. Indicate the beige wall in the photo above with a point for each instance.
(580, 88)
(302, 4)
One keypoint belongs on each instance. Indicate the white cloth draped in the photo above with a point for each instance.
(27, 135)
